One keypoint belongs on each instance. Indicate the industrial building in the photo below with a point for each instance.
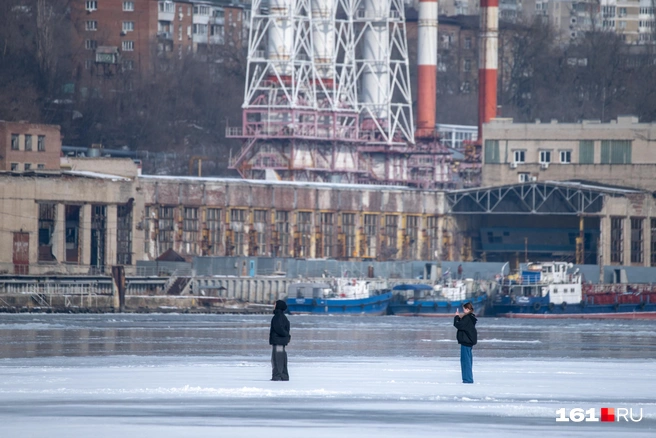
(85, 219)
(335, 169)
(618, 153)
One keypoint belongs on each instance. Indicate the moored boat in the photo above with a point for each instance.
(547, 290)
(436, 301)
(339, 296)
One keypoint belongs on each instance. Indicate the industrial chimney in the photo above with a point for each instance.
(488, 63)
(427, 68)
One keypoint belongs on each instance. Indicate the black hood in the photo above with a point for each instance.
(280, 305)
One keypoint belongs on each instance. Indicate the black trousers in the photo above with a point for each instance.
(279, 363)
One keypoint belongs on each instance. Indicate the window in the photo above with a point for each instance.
(545, 156)
(616, 152)
(653, 242)
(91, 6)
(190, 227)
(166, 7)
(15, 142)
(467, 66)
(492, 152)
(200, 29)
(468, 43)
(128, 46)
(91, 25)
(586, 152)
(165, 228)
(565, 156)
(390, 239)
(369, 247)
(303, 239)
(411, 242)
(217, 30)
(128, 64)
(524, 177)
(519, 156)
(348, 230)
(124, 234)
(28, 142)
(201, 10)
(213, 224)
(235, 241)
(41, 143)
(617, 240)
(88, 63)
(28, 166)
(128, 6)
(327, 236)
(90, 44)
(260, 220)
(128, 26)
(40, 166)
(433, 237)
(281, 237)
(47, 216)
(14, 167)
(636, 240)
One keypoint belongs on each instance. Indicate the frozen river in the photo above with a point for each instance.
(208, 376)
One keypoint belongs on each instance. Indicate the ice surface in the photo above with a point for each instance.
(184, 376)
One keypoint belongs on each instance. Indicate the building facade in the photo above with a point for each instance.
(618, 153)
(117, 38)
(113, 37)
(632, 20)
(84, 220)
(27, 147)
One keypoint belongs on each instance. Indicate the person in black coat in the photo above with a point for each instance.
(467, 337)
(279, 337)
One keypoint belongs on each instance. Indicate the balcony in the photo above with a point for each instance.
(107, 55)
(165, 35)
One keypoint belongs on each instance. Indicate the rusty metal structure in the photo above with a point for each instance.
(328, 95)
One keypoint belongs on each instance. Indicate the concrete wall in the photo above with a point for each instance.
(125, 167)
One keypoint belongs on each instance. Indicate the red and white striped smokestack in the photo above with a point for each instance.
(427, 67)
(487, 63)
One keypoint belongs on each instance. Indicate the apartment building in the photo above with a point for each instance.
(27, 147)
(633, 20)
(115, 38)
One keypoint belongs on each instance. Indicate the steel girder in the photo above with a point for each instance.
(530, 199)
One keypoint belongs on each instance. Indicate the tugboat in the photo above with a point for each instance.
(547, 290)
(438, 300)
(339, 296)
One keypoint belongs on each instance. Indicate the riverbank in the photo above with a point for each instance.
(35, 303)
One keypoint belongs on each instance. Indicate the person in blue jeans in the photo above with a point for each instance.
(467, 337)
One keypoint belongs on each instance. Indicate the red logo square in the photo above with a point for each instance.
(608, 414)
